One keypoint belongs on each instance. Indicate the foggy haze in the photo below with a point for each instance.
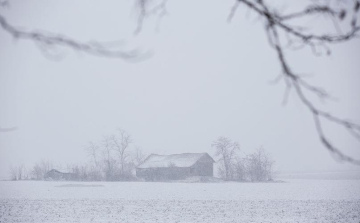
(205, 78)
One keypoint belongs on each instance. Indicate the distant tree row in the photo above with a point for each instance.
(37, 172)
(113, 158)
(257, 166)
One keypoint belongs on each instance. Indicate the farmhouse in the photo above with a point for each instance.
(175, 166)
(57, 175)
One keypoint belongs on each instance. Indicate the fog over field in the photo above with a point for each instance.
(179, 111)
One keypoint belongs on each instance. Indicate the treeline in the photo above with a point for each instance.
(37, 172)
(113, 158)
(257, 166)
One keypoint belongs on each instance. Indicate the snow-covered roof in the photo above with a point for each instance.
(178, 160)
(58, 171)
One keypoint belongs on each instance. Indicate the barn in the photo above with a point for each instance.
(57, 175)
(175, 166)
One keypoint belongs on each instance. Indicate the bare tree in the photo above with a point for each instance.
(26, 173)
(240, 173)
(93, 149)
(20, 171)
(17, 172)
(121, 143)
(13, 173)
(138, 156)
(94, 171)
(108, 160)
(37, 172)
(117, 162)
(46, 166)
(226, 151)
(77, 172)
(259, 166)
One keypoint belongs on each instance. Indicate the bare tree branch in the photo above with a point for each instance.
(47, 42)
(310, 10)
(8, 129)
(233, 11)
(274, 24)
(147, 8)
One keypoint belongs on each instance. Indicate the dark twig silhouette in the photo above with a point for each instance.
(8, 129)
(274, 24)
(148, 8)
(48, 42)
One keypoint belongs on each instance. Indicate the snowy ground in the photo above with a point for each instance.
(293, 201)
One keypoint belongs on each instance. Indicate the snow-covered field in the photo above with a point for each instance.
(292, 201)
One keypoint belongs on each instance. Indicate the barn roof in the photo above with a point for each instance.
(178, 160)
(58, 171)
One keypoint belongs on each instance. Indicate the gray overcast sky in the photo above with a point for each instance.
(206, 78)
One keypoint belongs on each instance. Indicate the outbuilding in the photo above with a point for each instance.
(175, 166)
(57, 175)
